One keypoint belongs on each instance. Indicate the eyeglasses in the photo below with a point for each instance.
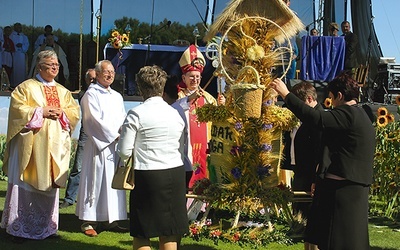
(194, 77)
(52, 65)
(108, 72)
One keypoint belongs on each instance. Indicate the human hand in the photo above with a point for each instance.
(279, 86)
(51, 112)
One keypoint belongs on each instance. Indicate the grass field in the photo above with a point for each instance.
(384, 234)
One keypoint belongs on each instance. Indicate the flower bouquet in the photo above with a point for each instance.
(119, 41)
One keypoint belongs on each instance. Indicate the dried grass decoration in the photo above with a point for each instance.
(247, 94)
(275, 10)
(248, 53)
(250, 41)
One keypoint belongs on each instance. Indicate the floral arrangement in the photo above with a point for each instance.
(248, 235)
(386, 186)
(119, 41)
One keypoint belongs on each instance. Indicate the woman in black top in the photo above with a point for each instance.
(346, 164)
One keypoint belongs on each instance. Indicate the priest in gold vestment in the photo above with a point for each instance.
(42, 117)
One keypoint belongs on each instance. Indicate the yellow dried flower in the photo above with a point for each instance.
(255, 53)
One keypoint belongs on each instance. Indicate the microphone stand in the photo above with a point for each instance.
(368, 61)
(313, 22)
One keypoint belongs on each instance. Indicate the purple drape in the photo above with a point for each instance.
(322, 57)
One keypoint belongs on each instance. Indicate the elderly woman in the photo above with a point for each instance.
(152, 133)
(42, 116)
(345, 171)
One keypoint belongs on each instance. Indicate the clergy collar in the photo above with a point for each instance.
(46, 83)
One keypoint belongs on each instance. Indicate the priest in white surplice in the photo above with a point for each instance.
(21, 44)
(103, 112)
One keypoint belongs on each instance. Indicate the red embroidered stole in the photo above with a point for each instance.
(51, 96)
(198, 140)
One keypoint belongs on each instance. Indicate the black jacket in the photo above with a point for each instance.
(348, 139)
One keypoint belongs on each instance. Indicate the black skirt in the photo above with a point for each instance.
(158, 203)
(339, 216)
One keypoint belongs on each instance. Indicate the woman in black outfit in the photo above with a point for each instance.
(345, 171)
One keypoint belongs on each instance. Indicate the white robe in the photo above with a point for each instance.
(19, 58)
(103, 113)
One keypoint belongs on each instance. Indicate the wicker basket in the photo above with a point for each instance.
(247, 102)
(247, 97)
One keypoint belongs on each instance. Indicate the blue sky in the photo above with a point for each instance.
(65, 14)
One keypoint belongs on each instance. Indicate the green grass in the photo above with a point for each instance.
(384, 234)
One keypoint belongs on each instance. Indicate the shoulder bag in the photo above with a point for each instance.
(124, 175)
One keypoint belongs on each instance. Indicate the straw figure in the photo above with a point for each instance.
(246, 144)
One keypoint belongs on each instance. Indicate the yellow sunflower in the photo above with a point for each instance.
(125, 38)
(398, 100)
(390, 118)
(382, 111)
(115, 33)
(382, 121)
(328, 103)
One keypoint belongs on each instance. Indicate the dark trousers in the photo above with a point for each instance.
(75, 174)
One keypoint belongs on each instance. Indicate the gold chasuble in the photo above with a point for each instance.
(44, 153)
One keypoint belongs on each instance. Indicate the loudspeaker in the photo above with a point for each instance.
(119, 83)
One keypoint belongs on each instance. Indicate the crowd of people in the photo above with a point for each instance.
(327, 152)
(14, 45)
(39, 144)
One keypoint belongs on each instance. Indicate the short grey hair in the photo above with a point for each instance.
(98, 65)
(44, 55)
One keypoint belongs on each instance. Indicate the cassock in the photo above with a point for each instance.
(103, 113)
(36, 160)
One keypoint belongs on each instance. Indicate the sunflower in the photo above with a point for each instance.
(382, 111)
(382, 121)
(115, 33)
(398, 100)
(328, 102)
(125, 38)
(390, 118)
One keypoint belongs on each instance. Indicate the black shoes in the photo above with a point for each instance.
(65, 204)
